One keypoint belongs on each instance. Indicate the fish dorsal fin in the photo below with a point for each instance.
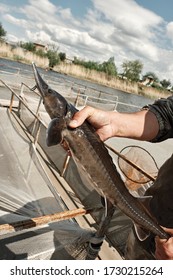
(141, 233)
(53, 135)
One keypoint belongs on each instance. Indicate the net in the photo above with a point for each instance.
(138, 166)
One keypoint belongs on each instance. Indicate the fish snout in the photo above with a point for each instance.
(40, 83)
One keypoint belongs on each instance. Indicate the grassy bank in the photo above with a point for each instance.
(152, 92)
(98, 77)
(19, 54)
(113, 82)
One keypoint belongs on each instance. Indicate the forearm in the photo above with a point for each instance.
(142, 125)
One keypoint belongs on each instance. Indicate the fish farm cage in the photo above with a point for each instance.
(48, 208)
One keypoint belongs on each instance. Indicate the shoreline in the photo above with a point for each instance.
(82, 73)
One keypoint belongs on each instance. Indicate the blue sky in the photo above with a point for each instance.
(97, 29)
(160, 7)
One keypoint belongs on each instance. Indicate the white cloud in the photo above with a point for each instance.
(3, 8)
(65, 13)
(45, 12)
(133, 26)
(43, 5)
(122, 29)
(39, 36)
(78, 40)
(18, 22)
(12, 38)
(163, 68)
(128, 16)
(169, 29)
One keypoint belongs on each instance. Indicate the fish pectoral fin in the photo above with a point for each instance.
(141, 232)
(54, 135)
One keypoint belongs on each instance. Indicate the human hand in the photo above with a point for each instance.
(100, 120)
(164, 247)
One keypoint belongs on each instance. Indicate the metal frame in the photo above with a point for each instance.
(35, 134)
(6, 228)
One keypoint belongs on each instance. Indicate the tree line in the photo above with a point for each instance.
(51, 53)
(131, 70)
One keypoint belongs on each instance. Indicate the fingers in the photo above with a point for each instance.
(168, 230)
(81, 116)
(164, 247)
(160, 241)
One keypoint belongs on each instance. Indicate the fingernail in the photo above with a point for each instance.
(73, 123)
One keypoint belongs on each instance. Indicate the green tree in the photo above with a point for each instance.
(75, 60)
(53, 57)
(2, 32)
(29, 46)
(109, 67)
(40, 53)
(132, 69)
(153, 75)
(87, 64)
(165, 83)
(62, 56)
(92, 65)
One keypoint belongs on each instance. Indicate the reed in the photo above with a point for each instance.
(152, 92)
(19, 54)
(113, 82)
(98, 77)
(22, 55)
(5, 50)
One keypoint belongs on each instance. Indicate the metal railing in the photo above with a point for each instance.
(87, 95)
(4, 229)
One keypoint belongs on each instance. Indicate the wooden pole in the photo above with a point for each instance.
(131, 163)
(25, 224)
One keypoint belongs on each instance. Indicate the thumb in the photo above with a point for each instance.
(73, 123)
(81, 116)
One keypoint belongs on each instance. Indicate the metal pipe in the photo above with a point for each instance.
(21, 100)
(11, 102)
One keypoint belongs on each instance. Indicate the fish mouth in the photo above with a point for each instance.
(40, 83)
